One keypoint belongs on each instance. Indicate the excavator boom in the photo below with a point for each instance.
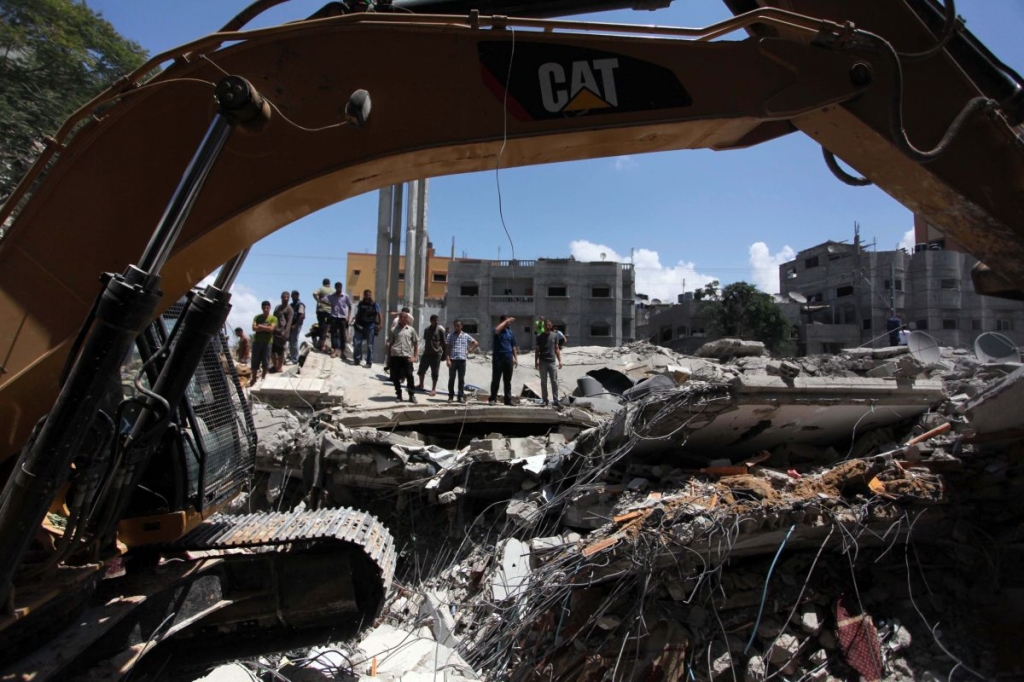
(449, 96)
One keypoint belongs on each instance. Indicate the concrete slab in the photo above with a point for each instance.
(998, 409)
(512, 577)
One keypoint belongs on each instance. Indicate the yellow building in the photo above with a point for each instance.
(362, 274)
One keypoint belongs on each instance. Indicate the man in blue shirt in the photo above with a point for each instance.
(504, 358)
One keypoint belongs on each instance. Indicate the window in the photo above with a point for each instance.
(948, 284)
(889, 285)
(604, 329)
(844, 291)
(866, 324)
(558, 291)
(601, 292)
(357, 272)
(811, 262)
(439, 277)
(666, 334)
(470, 327)
(696, 331)
(681, 332)
(975, 325)
(401, 276)
(921, 325)
(814, 298)
(949, 324)
(469, 290)
(1004, 325)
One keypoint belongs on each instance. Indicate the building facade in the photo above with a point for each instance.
(847, 295)
(361, 273)
(592, 303)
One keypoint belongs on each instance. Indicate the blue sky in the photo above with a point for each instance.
(688, 216)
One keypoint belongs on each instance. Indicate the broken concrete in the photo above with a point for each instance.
(730, 501)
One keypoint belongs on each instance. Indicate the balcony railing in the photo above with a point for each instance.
(512, 299)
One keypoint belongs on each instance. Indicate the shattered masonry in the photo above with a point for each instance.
(725, 517)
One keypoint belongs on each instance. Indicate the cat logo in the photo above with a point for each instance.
(588, 85)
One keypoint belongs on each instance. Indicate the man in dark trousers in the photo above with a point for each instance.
(323, 314)
(263, 333)
(504, 359)
(403, 349)
(298, 318)
(433, 351)
(457, 349)
(366, 322)
(341, 314)
(282, 332)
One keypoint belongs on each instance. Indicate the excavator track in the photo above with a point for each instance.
(268, 529)
(236, 586)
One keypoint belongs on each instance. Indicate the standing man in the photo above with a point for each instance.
(504, 359)
(433, 351)
(323, 314)
(244, 348)
(544, 357)
(367, 322)
(341, 315)
(457, 349)
(263, 331)
(298, 317)
(282, 331)
(403, 349)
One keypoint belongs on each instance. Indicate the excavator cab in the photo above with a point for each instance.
(209, 450)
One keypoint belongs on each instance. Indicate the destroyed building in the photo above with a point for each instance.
(591, 302)
(725, 516)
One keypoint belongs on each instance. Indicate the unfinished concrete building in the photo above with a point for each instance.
(592, 303)
(848, 293)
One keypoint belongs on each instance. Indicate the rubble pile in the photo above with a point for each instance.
(734, 517)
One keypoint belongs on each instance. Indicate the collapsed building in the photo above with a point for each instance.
(724, 516)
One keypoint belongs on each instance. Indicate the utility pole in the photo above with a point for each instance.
(892, 283)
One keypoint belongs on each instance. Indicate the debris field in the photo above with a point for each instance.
(719, 517)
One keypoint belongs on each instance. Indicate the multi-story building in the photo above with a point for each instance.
(592, 303)
(361, 273)
(848, 294)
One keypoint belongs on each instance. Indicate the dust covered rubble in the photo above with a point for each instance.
(625, 550)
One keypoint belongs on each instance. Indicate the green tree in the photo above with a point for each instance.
(741, 311)
(55, 55)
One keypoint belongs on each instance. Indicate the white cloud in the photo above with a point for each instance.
(764, 267)
(245, 305)
(624, 163)
(652, 278)
(908, 241)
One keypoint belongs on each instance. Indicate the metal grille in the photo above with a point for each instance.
(221, 455)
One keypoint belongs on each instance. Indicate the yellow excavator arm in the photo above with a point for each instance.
(457, 94)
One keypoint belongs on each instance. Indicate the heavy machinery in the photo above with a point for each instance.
(145, 569)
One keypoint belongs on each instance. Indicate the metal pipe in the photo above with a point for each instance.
(229, 271)
(166, 234)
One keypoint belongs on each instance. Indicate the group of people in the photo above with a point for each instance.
(453, 348)
(276, 333)
(547, 359)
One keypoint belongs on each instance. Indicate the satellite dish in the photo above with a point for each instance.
(993, 347)
(797, 297)
(924, 348)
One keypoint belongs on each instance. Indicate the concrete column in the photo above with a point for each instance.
(380, 293)
(413, 272)
(396, 249)
(422, 241)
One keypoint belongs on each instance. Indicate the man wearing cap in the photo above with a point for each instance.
(403, 350)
